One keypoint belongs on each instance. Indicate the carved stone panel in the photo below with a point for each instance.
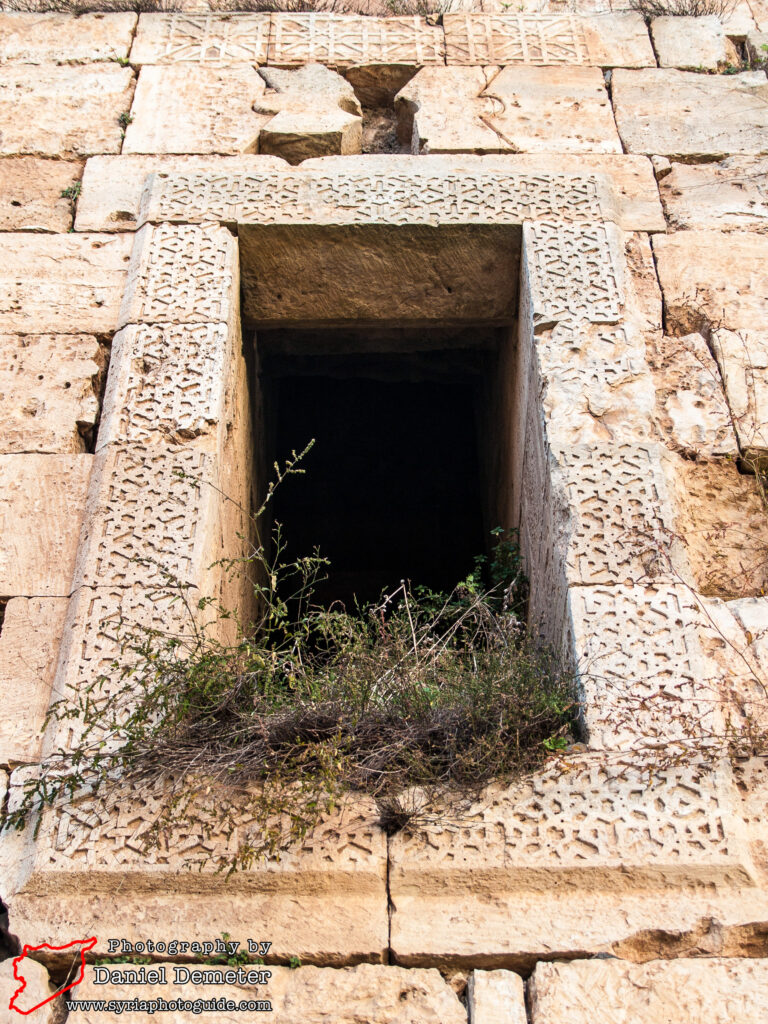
(213, 39)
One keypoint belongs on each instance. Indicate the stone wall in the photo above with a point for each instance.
(167, 176)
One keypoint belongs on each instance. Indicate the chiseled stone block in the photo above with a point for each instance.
(730, 195)
(611, 40)
(181, 274)
(62, 284)
(690, 43)
(670, 113)
(201, 38)
(344, 41)
(42, 500)
(47, 394)
(61, 38)
(496, 997)
(719, 990)
(62, 111)
(184, 108)
(29, 648)
(31, 193)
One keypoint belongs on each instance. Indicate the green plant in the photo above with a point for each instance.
(72, 191)
(125, 119)
(294, 962)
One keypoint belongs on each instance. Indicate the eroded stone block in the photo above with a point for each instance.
(42, 499)
(48, 402)
(496, 997)
(201, 38)
(743, 361)
(730, 195)
(670, 112)
(63, 284)
(616, 992)
(690, 43)
(112, 185)
(30, 194)
(60, 38)
(38, 988)
(62, 111)
(613, 40)
(29, 648)
(375, 993)
(181, 274)
(189, 109)
(513, 109)
(344, 41)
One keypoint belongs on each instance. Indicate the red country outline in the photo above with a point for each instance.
(85, 946)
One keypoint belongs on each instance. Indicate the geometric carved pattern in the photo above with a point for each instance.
(407, 197)
(201, 38)
(344, 42)
(165, 384)
(573, 272)
(516, 39)
(181, 274)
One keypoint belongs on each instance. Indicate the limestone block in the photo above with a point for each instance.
(38, 988)
(166, 385)
(369, 992)
(595, 385)
(343, 41)
(592, 854)
(62, 39)
(29, 648)
(636, 197)
(47, 396)
(759, 9)
(641, 677)
(62, 111)
(30, 194)
(740, 21)
(316, 113)
(611, 40)
(616, 992)
(151, 518)
(496, 997)
(691, 412)
(204, 38)
(42, 498)
(181, 274)
(743, 361)
(669, 112)
(62, 284)
(722, 524)
(112, 185)
(757, 46)
(730, 195)
(514, 109)
(689, 43)
(188, 109)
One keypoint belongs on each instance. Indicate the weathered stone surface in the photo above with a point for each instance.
(30, 194)
(38, 988)
(615, 992)
(514, 109)
(692, 413)
(188, 109)
(343, 42)
(60, 38)
(181, 274)
(689, 43)
(740, 21)
(757, 46)
(722, 524)
(62, 111)
(42, 498)
(205, 38)
(730, 195)
(718, 283)
(496, 997)
(759, 9)
(373, 993)
(612, 40)
(670, 112)
(47, 396)
(316, 113)
(590, 855)
(29, 647)
(112, 185)
(67, 284)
